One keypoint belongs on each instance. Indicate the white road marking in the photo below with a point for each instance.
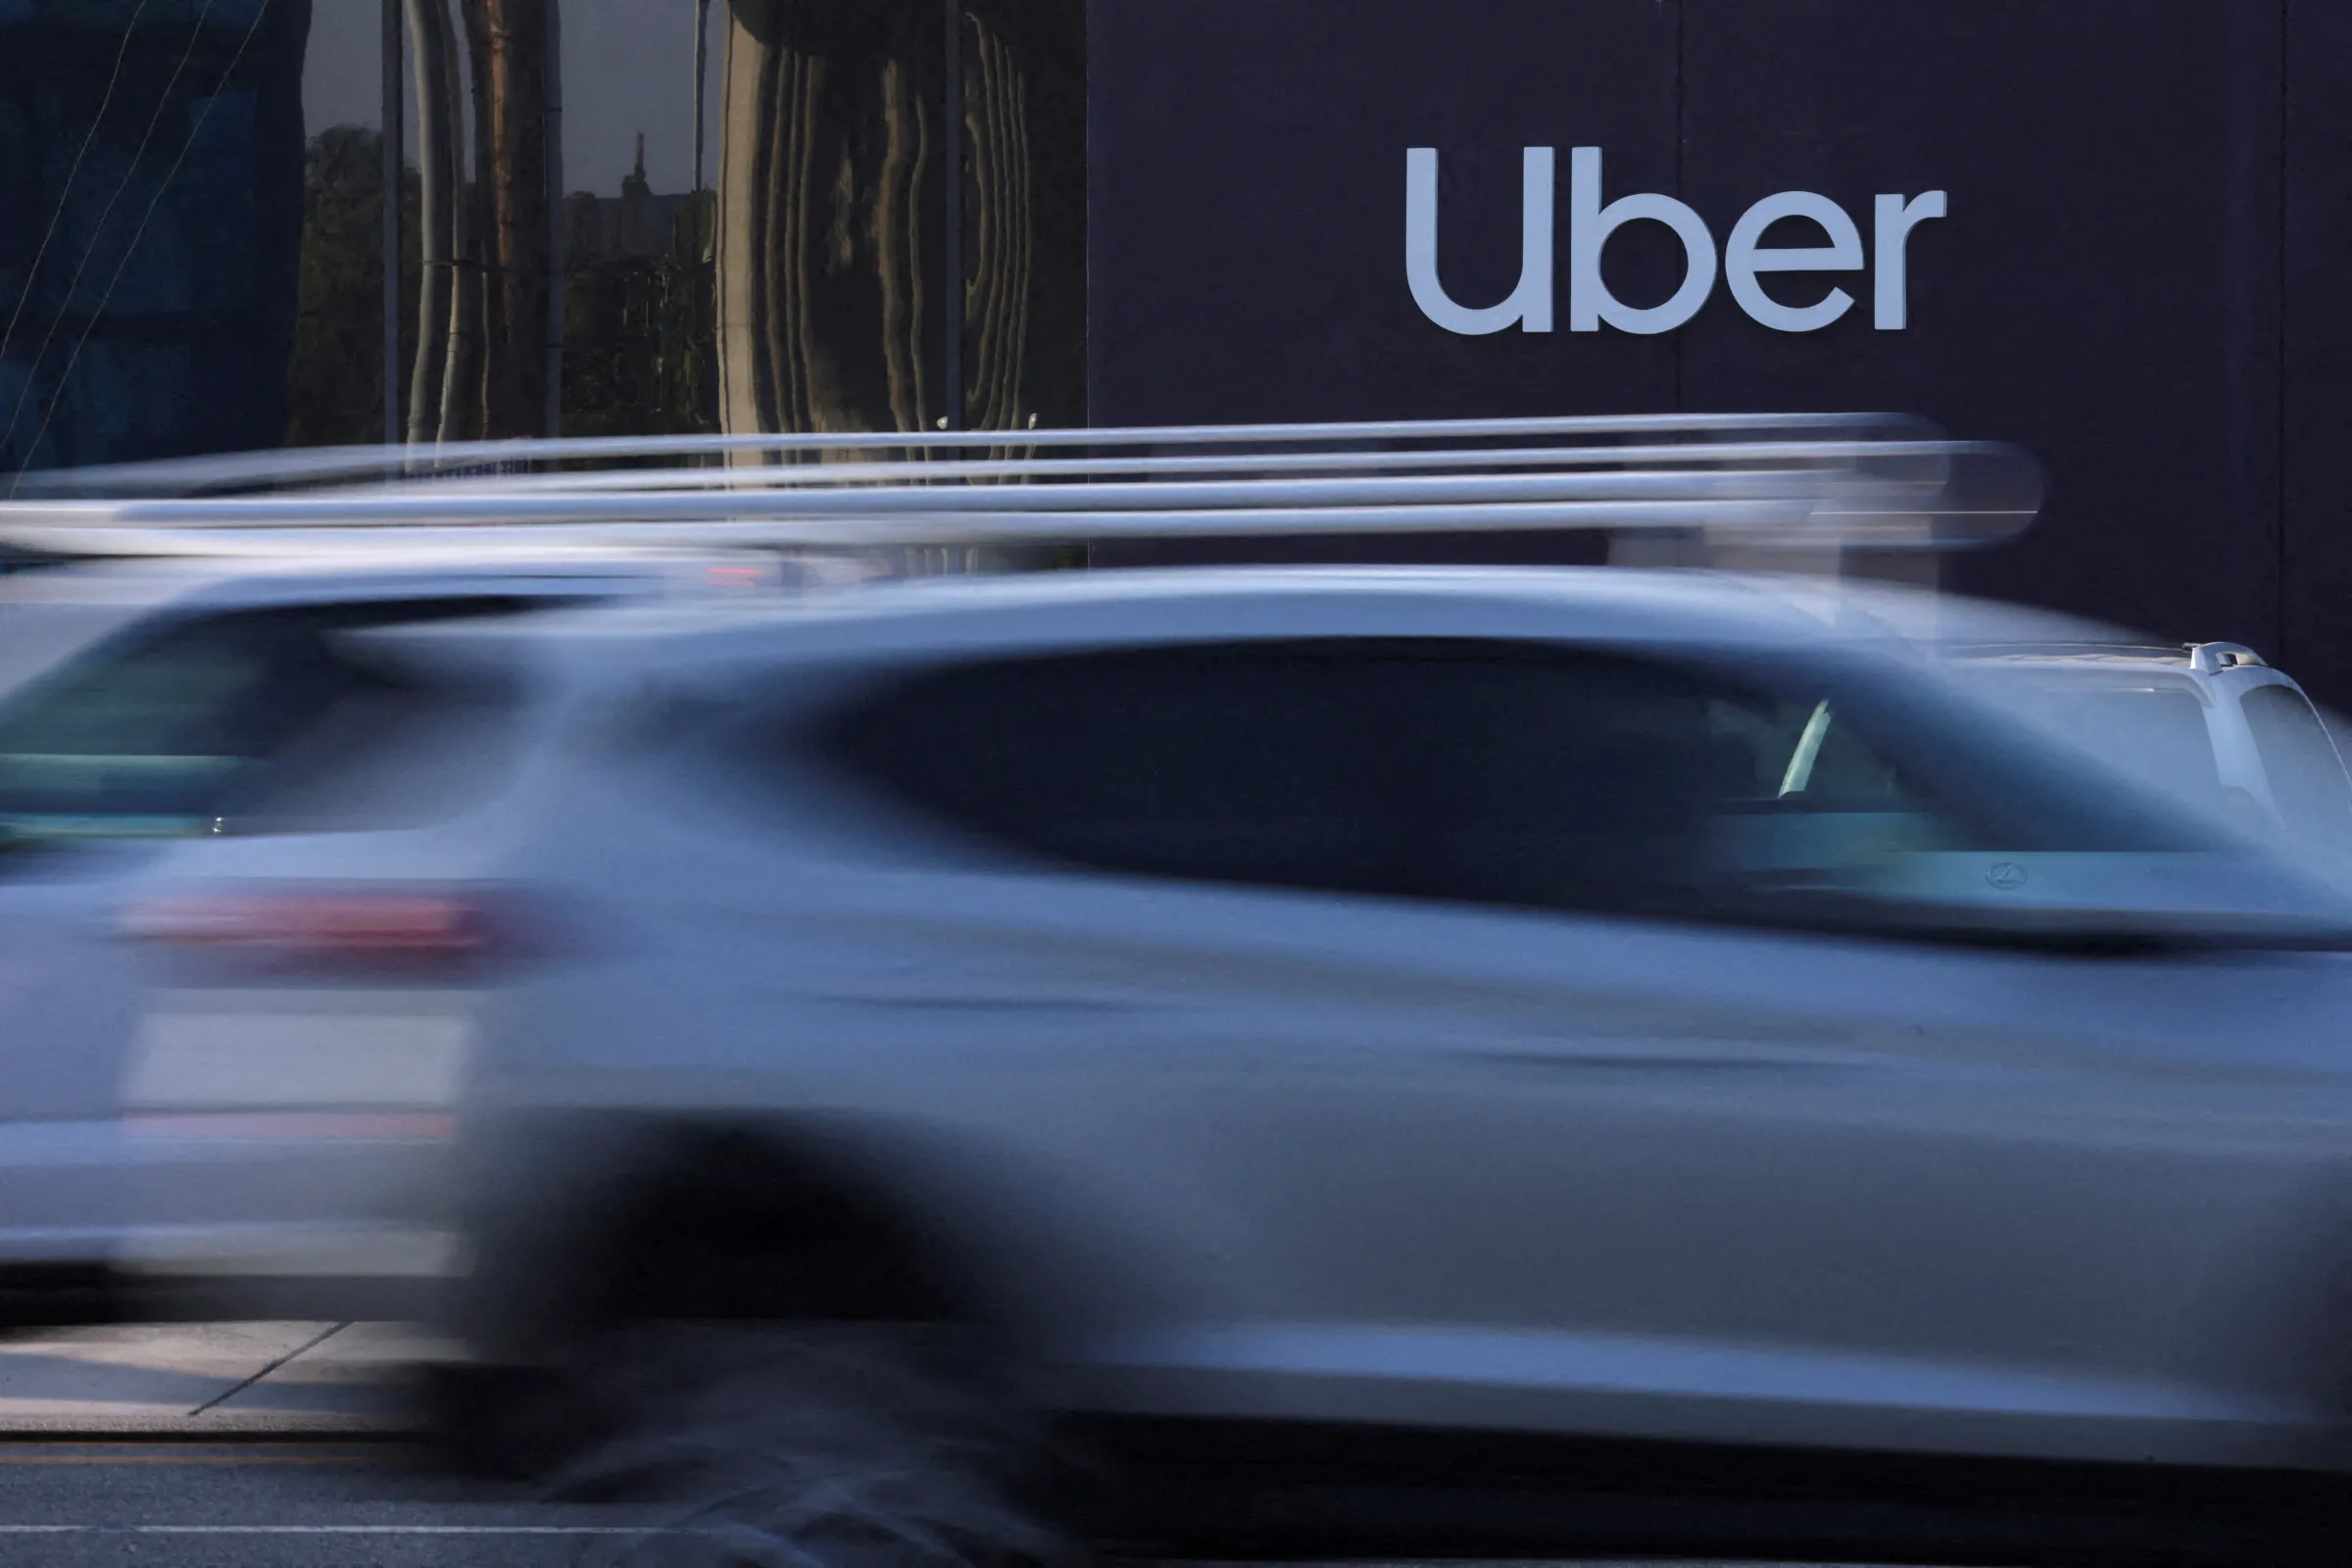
(328, 1530)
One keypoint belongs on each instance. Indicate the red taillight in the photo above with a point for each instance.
(399, 928)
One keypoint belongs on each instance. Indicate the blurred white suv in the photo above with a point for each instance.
(1435, 1061)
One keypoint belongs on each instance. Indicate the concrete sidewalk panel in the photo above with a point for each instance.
(153, 1379)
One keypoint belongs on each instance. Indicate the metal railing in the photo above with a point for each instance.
(1764, 481)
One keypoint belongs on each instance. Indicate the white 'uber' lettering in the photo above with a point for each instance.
(1748, 254)
(1589, 225)
(1529, 302)
(1591, 222)
(1895, 220)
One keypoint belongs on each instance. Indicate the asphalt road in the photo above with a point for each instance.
(281, 1503)
(272, 1505)
(144, 1504)
(250, 1445)
(245, 1445)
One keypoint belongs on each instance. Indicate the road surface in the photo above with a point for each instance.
(248, 1446)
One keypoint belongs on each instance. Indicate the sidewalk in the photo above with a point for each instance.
(185, 1379)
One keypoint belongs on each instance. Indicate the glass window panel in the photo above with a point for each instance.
(612, 218)
(151, 214)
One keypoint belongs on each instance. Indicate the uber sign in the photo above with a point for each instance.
(1590, 223)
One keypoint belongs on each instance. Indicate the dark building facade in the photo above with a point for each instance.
(2139, 269)
(2106, 230)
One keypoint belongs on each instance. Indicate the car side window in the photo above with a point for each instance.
(1277, 765)
(1596, 781)
(162, 729)
(2307, 779)
(1492, 772)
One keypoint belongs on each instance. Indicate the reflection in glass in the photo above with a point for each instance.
(1024, 208)
(831, 211)
(193, 242)
(487, 345)
(151, 186)
(640, 323)
(335, 383)
(828, 228)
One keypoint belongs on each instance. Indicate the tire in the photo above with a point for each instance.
(820, 1446)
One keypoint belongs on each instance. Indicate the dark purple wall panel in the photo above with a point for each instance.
(2128, 181)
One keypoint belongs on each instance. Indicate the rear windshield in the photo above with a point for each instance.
(198, 724)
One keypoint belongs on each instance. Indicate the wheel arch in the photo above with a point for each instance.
(578, 1219)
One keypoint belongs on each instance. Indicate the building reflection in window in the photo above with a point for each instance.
(641, 325)
(1024, 253)
(488, 347)
(193, 247)
(833, 210)
(151, 198)
(829, 215)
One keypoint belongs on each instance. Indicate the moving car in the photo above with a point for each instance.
(1577, 1061)
(1272, 1062)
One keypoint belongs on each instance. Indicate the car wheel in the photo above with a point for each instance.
(825, 1445)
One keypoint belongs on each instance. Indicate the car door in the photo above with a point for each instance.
(1502, 1021)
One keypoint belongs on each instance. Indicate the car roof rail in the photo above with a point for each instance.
(1774, 481)
(2209, 659)
(2117, 647)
